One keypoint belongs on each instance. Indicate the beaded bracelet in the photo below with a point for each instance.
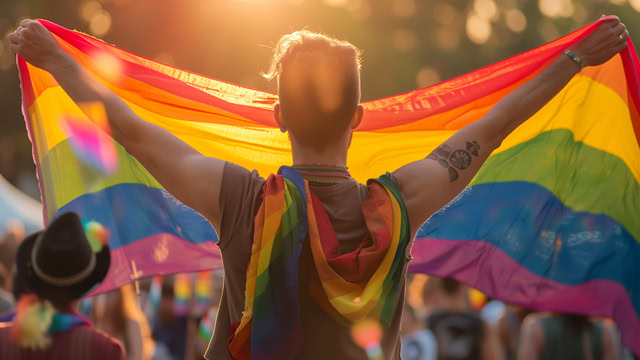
(575, 58)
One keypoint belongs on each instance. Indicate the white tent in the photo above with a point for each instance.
(16, 205)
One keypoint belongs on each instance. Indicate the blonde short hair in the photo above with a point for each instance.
(304, 40)
(318, 85)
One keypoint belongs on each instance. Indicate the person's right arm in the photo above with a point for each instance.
(531, 338)
(191, 177)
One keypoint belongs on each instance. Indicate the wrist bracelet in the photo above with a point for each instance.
(575, 58)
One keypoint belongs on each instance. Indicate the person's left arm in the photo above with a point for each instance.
(428, 184)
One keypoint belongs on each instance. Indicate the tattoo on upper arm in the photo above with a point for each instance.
(455, 160)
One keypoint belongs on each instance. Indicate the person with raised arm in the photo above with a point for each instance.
(310, 251)
(56, 267)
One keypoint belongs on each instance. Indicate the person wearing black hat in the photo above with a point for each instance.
(59, 265)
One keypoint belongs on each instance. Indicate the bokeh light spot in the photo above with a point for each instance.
(427, 76)
(487, 9)
(374, 352)
(415, 290)
(477, 299)
(100, 23)
(90, 138)
(353, 5)
(88, 9)
(447, 39)
(548, 31)
(361, 12)
(478, 29)
(635, 4)
(108, 66)
(445, 14)
(335, 2)
(403, 8)
(515, 20)
(367, 334)
(556, 8)
(404, 40)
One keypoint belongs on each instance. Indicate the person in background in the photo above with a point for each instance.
(9, 240)
(627, 354)
(18, 288)
(117, 313)
(205, 322)
(7, 302)
(567, 337)
(59, 265)
(460, 333)
(418, 342)
(508, 328)
(170, 330)
(11, 237)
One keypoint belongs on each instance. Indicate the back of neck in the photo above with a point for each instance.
(334, 155)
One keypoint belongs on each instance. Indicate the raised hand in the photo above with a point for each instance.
(34, 43)
(192, 178)
(427, 185)
(603, 43)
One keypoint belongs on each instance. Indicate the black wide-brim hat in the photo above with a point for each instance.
(58, 264)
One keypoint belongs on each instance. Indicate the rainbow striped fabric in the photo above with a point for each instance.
(550, 222)
(203, 292)
(270, 327)
(182, 292)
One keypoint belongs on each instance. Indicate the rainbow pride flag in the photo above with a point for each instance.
(552, 220)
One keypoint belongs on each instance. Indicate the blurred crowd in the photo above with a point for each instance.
(172, 318)
(447, 320)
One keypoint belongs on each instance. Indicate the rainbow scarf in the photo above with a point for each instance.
(65, 322)
(550, 221)
(351, 287)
